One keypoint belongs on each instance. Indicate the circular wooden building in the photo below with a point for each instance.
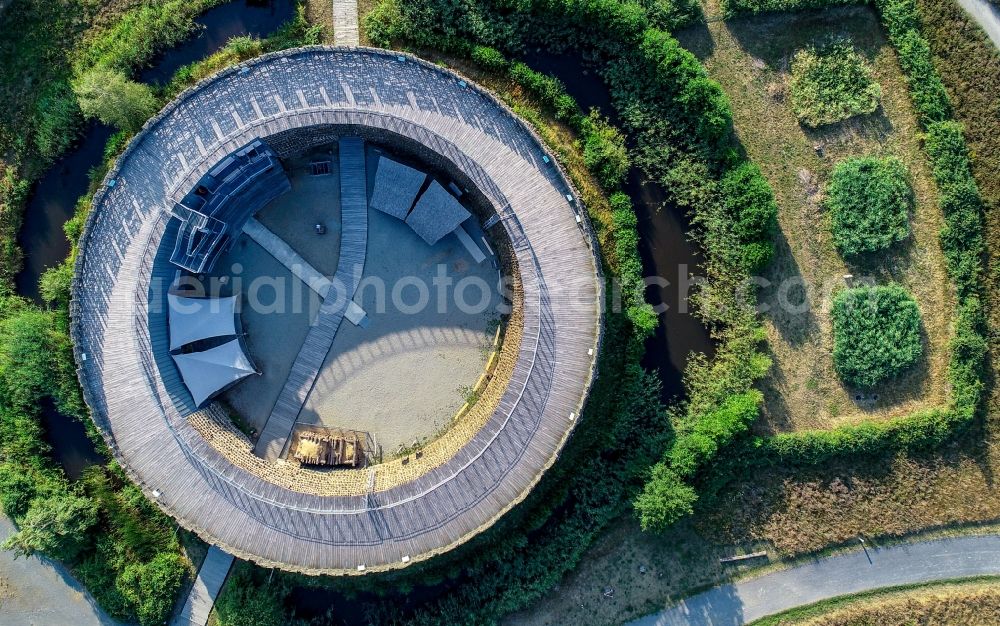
(187, 187)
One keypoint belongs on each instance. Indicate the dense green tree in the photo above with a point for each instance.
(55, 526)
(112, 98)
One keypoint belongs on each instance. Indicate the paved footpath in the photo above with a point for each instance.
(41, 592)
(345, 23)
(829, 577)
(207, 584)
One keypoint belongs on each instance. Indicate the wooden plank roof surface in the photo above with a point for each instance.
(118, 329)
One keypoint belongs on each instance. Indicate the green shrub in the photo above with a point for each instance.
(111, 97)
(641, 314)
(56, 119)
(246, 601)
(669, 105)
(870, 200)
(55, 283)
(56, 526)
(549, 90)
(749, 204)
(671, 15)
(151, 587)
(962, 237)
(876, 334)
(385, 23)
(831, 84)
(26, 350)
(489, 58)
(17, 490)
(604, 151)
(665, 499)
(138, 34)
(732, 8)
(926, 89)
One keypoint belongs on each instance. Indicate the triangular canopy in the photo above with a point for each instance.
(207, 373)
(192, 319)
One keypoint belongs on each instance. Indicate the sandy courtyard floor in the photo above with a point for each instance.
(404, 376)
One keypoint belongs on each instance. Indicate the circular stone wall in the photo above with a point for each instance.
(295, 98)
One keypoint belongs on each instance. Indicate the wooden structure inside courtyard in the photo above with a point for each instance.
(329, 447)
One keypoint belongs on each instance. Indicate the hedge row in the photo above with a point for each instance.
(681, 123)
(962, 241)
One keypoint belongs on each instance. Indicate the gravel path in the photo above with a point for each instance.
(36, 591)
(987, 15)
(824, 578)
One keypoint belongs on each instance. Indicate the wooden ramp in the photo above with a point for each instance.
(205, 590)
(350, 267)
(284, 254)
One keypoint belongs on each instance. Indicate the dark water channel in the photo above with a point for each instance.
(54, 198)
(667, 254)
(71, 447)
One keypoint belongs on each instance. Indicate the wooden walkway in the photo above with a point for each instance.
(119, 331)
(207, 584)
(345, 23)
(284, 254)
(350, 268)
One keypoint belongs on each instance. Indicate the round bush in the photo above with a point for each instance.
(876, 334)
(869, 200)
(832, 84)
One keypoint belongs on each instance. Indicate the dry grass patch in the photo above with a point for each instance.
(320, 12)
(751, 59)
(800, 511)
(973, 603)
(646, 572)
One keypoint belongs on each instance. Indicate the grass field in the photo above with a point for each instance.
(750, 58)
(788, 512)
(320, 12)
(972, 603)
